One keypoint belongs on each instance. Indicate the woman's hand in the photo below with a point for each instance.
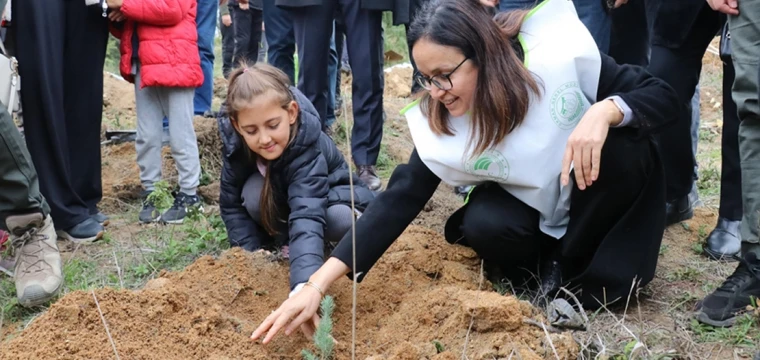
(298, 311)
(116, 16)
(584, 147)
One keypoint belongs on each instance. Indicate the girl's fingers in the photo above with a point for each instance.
(278, 324)
(298, 321)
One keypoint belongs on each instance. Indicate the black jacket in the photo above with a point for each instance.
(400, 8)
(652, 101)
(309, 176)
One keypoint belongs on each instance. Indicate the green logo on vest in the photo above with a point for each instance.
(490, 165)
(567, 105)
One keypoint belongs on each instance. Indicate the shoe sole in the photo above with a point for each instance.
(174, 222)
(38, 296)
(89, 240)
(703, 318)
(682, 217)
(714, 255)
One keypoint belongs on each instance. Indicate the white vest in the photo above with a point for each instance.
(563, 57)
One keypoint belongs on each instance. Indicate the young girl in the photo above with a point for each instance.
(159, 54)
(282, 178)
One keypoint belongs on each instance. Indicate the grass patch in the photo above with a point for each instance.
(744, 333)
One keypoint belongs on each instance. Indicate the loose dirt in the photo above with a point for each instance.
(422, 290)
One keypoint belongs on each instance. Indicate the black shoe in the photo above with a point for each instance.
(722, 306)
(724, 241)
(368, 174)
(678, 210)
(183, 205)
(149, 213)
(101, 218)
(87, 231)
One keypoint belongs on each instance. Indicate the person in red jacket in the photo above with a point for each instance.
(159, 53)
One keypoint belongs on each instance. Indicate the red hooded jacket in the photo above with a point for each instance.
(167, 42)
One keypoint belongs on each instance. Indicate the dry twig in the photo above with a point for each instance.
(105, 325)
(472, 317)
(353, 238)
(118, 269)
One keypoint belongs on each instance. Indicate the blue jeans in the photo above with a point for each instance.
(280, 38)
(332, 73)
(591, 13)
(206, 25)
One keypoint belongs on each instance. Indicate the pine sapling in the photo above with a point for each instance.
(323, 335)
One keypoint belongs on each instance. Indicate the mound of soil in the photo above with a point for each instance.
(423, 290)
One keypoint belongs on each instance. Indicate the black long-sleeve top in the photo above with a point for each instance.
(653, 102)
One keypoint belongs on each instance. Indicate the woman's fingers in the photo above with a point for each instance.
(596, 159)
(587, 165)
(578, 161)
(279, 323)
(264, 326)
(298, 321)
(566, 161)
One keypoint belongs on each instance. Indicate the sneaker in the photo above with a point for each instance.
(722, 306)
(149, 213)
(38, 263)
(368, 174)
(101, 218)
(87, 231)
(183, 204)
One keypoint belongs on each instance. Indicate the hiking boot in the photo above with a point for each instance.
(85, 232)
(183, 204)
(101, 218)
(149, 213)
(38, 263)
(368, 174)
(722, 306)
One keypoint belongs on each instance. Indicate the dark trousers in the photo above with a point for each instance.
(206, 26)
(730, 169)
(61, 48)
(247, 25)
(630, 34)
(680, 67)
(280, 38)
(414, 7)
(504, 231)
(19, 185)
(228, 46)
(339, 37)
(313, 27)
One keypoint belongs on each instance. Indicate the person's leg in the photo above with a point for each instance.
(228, 47)
(605, 249)
(264, 46)
(280, 38)
(41, 40)
(594, 15)
(177, 104)
(630, 34)
(86, 41)
(242, 23)
(725, 240)
(721, 307)
(251, 196)
(332, 76)
(365, 49)
(339, 219)
(37, 265)
(504, 232)
(254, 44)
(680, 66)
(313, 27)
(205, 22)
(148, 138)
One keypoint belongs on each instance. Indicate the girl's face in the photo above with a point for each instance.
(265, 126)
(440, 62)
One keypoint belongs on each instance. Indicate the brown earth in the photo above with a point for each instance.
(422, 290)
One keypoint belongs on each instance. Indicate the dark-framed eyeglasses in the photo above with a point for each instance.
(441, 81)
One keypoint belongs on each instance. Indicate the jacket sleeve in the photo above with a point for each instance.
(242, 231)
(307, 198)
(409, 189)
(653, 102)
(156, 12)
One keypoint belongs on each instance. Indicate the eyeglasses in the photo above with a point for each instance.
(441, 81)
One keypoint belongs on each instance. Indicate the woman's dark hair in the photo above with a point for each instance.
(246, 84)
(504, 87)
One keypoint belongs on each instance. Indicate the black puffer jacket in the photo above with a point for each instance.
(309, 176)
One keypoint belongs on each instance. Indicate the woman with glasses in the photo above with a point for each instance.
(555, 136)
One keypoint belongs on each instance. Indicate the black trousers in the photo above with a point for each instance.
(680, 66)
(228, 46)
(730, 170)
(247, 25)
(313, 27)
(61, 47)
(601, 253)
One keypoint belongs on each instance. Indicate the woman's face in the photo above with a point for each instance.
(434, 59)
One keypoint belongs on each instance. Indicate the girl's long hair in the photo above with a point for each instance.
(246, 84)
(502, 94)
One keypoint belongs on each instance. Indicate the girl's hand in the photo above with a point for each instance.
(584, 147)
(294, 313)
(116, 16)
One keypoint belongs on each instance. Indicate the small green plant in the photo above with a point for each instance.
(161, 196)
(697, 248)
(439, 348)
(664, 249)
(323, 336)
(702, 232)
